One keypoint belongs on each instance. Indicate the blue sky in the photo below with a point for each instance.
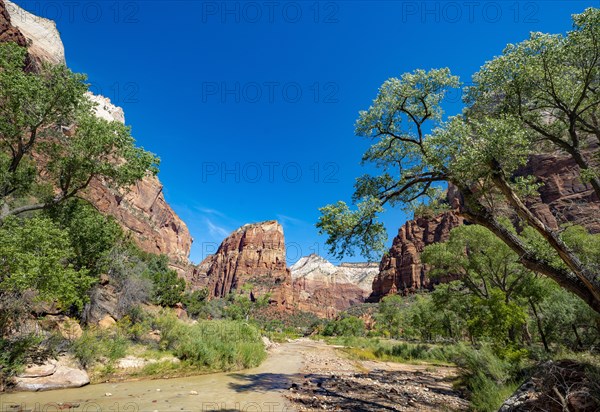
(251, 105)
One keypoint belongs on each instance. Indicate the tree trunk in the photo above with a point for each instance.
(540, 326)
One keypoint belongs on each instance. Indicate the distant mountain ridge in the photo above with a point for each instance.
(316, 268)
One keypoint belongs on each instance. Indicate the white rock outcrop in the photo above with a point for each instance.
(105, 109)
(54, 374)
(40, 32)
(318, 269)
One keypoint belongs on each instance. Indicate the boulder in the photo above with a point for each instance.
(67, 327)
(107, 322)
(60, 374)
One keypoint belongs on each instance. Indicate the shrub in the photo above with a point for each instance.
(217, 344)
(488, 378)
(14, 354)
(94, 345)
(347, 326)
(195, 302)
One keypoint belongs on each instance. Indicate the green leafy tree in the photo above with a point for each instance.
(37, 256)
(346, 326)
(492, 283)
(195, 302)
(480, 151)
(390, 315)
(92, 234)
(168, 288)
(48, 114)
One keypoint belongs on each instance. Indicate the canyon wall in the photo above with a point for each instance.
(251, 258)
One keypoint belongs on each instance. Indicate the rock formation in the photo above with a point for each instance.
(252, 256)
(8, 32)
(43, 38)
(563, 197)
(326, 289)
(54, 374)
(142, 209)
(401, 269)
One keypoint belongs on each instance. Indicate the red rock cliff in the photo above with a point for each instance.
(401, 269)
(252, 255)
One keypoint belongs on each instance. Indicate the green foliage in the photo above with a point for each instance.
(48, 112)
(15, 353)
(493, 287)
(195, 303)
(143, 276)
(168, 287)
(217, 344)
(349, 229)
(241, 307)
(346, 326)
(74, 160)
(488, 378)
(91, 234)
(37, 255)
(390, 316)
(95, 345)
(540, 95)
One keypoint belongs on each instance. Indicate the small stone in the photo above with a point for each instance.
(193, 393)
(107, 394)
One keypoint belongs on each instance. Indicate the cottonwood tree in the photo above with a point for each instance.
(51, 143)
(520, 104)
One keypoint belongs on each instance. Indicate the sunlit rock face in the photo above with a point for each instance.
(401, 269)
(250, 260)
(41, 34)
(326, 289)
(141, 209)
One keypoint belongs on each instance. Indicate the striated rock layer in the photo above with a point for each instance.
(142, 209)
(401, 269)
(253, 257)
(563, 197)
(325, 289)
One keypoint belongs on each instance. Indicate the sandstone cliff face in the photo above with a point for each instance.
(401, 269)
(563, 197)
(42, 36)
(142, 209)
(252, 255)
(325, 289)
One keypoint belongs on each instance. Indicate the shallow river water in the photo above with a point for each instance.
(259, 389)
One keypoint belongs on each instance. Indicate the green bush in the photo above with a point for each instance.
(347, 326)
(489, 379)
(195, 303)
(214, 345)
(94, 345)
(15, 354)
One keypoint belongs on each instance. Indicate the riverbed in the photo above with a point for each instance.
(257, 389)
